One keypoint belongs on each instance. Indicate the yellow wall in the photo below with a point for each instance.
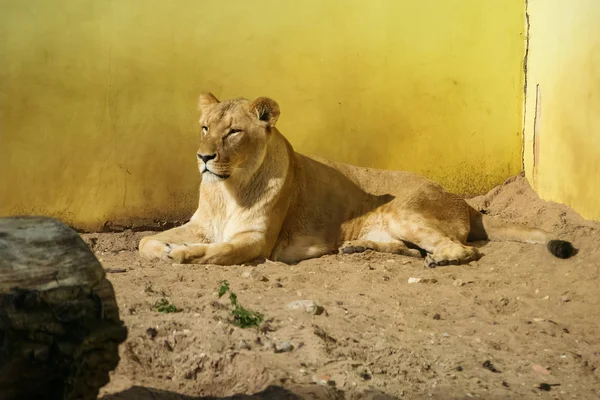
(563, 103)
(98, 98)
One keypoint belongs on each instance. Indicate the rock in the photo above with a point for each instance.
(323, 380)
(284, 347)
(151, 332)
(60, 327)
(243, 345)
(254, 275)
(487, 364)
(422, 280)
(268, 345)
(307, 305)
(458, 283)
(437, 316)
(538, 369)
(365, 375)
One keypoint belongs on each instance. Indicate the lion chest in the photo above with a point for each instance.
(221, 221)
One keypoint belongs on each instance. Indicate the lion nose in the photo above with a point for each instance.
(206, 158)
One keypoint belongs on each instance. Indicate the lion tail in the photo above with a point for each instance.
(484, 227)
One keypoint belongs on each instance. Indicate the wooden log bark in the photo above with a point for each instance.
(59, 322)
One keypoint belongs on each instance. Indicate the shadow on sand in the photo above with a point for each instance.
(300, 392)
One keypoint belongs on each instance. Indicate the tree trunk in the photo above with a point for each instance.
(59, 322)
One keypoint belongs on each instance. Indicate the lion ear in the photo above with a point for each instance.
(206, 99)
(266, 110)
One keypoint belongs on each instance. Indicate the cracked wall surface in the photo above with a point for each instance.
(562, 120)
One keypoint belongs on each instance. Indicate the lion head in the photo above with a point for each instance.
(234, 136)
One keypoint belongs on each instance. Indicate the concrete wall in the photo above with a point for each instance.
(562, 125)
(98, 98)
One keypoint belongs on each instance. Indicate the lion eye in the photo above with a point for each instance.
(232, 132)
(204, 128)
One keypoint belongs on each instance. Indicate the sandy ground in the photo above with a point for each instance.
(518, 324)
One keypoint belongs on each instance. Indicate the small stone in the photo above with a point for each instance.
(458, 283)
(459, 368)
(307, 305)
(243, 345)
(422, 280)
(365, 375)
(565, 298)
(151, 332)
(268, 345)
(437, 316)
(323, 380)
(538, 369)
(369, 267)
(487, 364)
(303, 371)
(446, 334)
(284, 347)
(254, 275)
(545, 387)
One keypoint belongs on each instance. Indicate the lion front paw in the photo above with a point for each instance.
(154, 249)
(176, 252)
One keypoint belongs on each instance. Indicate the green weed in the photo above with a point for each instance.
(241, 317)
(163, 306)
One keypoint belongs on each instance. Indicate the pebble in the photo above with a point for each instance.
(323, 380)
(254, 275)
(538, 369)
(151, 332)
(487, 364)
(458, 283)
(243, 345)
(307, 305)
(284, 347)
(268, 345)
(422, 280)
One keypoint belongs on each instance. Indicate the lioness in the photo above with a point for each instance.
(259, 198)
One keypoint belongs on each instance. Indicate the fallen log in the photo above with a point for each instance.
(59, 322)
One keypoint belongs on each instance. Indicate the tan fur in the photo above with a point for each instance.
(259, 198)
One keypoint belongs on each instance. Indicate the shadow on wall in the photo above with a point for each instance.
(300, 392)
